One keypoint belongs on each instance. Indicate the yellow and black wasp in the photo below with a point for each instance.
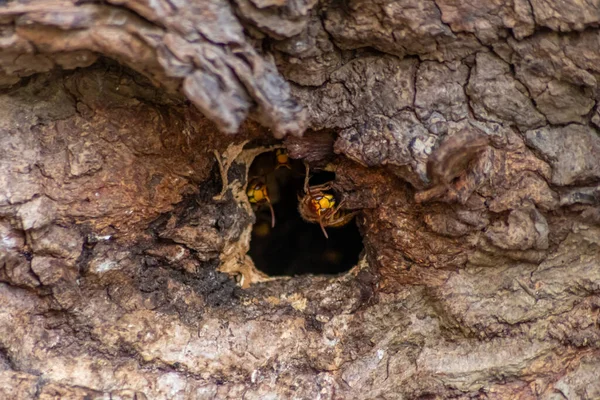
(317, 204)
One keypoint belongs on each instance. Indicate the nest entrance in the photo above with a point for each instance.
(293, 246)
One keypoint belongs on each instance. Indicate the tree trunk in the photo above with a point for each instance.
(465, 138)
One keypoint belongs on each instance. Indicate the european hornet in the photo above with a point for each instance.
(267, 177)
(319, 206)
(282, 160)
(258, 195)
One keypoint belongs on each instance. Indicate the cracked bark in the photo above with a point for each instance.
(465, 134)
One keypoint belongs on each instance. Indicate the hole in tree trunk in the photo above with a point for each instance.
(294, 246)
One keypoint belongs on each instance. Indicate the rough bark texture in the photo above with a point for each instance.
(466, 133)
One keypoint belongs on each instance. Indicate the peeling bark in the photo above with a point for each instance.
(465, 135)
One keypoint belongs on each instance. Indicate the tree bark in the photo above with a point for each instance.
(465, 136)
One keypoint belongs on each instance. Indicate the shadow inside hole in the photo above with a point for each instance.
(293, 246)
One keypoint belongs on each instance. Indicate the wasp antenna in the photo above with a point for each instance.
(323, 228)
(272, 213)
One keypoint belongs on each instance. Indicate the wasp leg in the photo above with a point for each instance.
(339, 206)
(307, 190)
(322, 187)
(306, 177)
(342, 219)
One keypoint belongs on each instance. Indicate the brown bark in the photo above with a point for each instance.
(465, 134)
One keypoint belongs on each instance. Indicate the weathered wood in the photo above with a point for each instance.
(464, 133)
